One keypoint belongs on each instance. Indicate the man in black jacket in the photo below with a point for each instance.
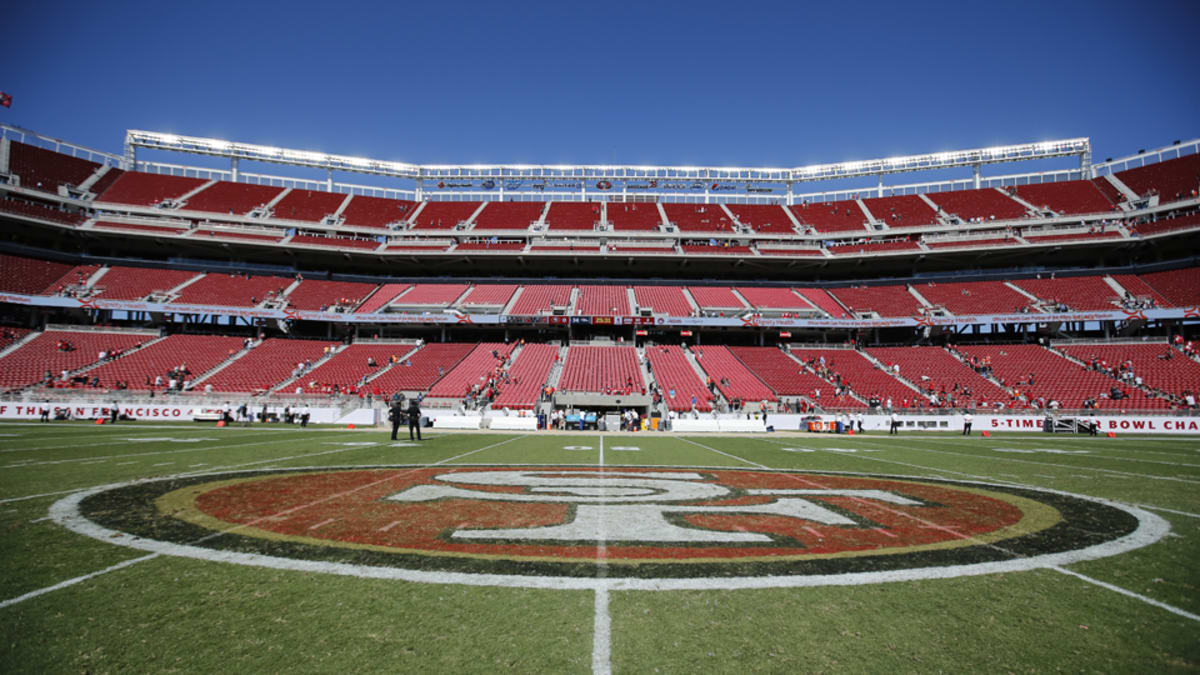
(396, 415)
(414, 419)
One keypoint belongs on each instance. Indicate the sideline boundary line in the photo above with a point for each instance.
(1128, 593)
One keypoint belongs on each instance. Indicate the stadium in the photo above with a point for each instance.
(923, 410)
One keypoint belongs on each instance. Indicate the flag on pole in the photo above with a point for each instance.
(5, 99)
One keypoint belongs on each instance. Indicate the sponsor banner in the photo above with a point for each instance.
(1122, 424)
(748, 321)
(143, 411)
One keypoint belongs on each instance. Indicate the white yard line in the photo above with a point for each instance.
(602, 635)
(72, 582)
(1137, 596)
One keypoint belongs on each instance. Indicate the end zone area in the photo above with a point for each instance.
(72, 601)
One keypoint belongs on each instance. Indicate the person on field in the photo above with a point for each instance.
(895, 424)
(396, 415)
(114, 412)
(304, 415)
(45, 411)
(414, 419)
(967, 419)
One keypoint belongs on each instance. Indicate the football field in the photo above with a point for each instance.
(142, 547)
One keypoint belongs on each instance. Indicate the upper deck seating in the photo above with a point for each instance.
(728, 374)
(938, 373)
(148, 189)
(763, 218)
(49, 352)
(678, 381)
(527, 376)
(29, 275)
(316, 294)
(973, 297)
(839, 216)
(1067, 198)
(1181, 288)
(1077, 293)
(32, 208)
(602, 301)
(487, 360)
(444, 215)
(1109, 190)
(883, 300)
(1054, 377)
(366, 211)
(421, 370)
(979, 205)
(104, 182)
(230, 290)
(973, 243)
(716, 299)
(668, 300)
(45, 170)
(608, 370)
(850, 248)
(573, 216)
(308, 205)
(698, 217)
(539, 299)
(509, 215)
(901, 211)
(266, 365)
(233, 198)
(1171, 180)
(135, 283)
(633, 217)
(139, 370)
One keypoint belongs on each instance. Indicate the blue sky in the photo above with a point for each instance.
(749, 84)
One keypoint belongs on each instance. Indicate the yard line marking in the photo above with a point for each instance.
(1128, 593)
(40, 519)
(322, 523)
(72, 582)
(602, 635)
(390, 525)
(163, 464)
(1127, 474)
(1166, 510)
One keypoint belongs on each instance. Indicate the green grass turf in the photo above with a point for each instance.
(169, 614)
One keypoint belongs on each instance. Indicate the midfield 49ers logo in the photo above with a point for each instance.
(639, 527)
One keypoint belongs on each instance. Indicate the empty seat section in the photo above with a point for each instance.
(973, 297)
(772, 298)
(883, 300)
(1172, 376)
(1139, 289)
(573, 216)
(936, 371)
(106, 181)
(698, 217)
(213, 233)
(1067, 198)
(716, 299)
(1181, 288)
(334, 241)
(365, 211)
(840, 216)
(786, 377)
(602, 300)
(509, 215)
(1172, 180)
(139, 370)
(716, 250)
(235, 198)
(488, 297)
(826, 302)
(763, 218)
(230, 290)
(1167, 224)
(678, 381)
(984, 204)
(1054, 377)
(541, 299)
(730, 375)
(148, 189)
(486, 360)
(11, 334)
(29, 275)
(314, 294)
(1075, 236)
(901, 211)
(491, 246)
(135, 283)
(351, 365)
(633, 217)
(444, 215)
(45, 170)
(1109, 190)
(266, 365)
(668, 300)
(605, 370)
(1078, 293)
(50, 351)
(33, 209)
(309, 205)
(421, 370)
(972, 243)
(526, 377)
(873, 247)
(382, 297)
(431, 295)
(72, 282)
(857, 373)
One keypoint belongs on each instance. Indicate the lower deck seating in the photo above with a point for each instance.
(191, 355)
(55, 351)
(1042, 376)
(1159, 366)
(938, 373)
(527, 376)
(786, 377)
(421, 370)
(487, 361)
(266, 365)
(680, 384)
(605, 370)
(350, 366)
(851, 370)
(730, 376)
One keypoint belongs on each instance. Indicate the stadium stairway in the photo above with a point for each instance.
(989, 378)
(316, 364)
(1124, 189)
(220, 366)
(720, 403)
(853, 394)
(1028, 206)
(413, 349)
(182, 199)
